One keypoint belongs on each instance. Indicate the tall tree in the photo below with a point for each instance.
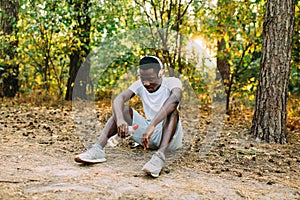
(223, 65)
(9, 69)
(80, 49)
(269, 121)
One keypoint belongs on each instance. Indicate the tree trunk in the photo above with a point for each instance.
(224, 71)
(223, 66)
(269, 121)
(9, 71)
(74, 67)
(79, 82)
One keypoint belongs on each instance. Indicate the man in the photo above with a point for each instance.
(161, 130)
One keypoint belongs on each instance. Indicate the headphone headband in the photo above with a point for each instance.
(158, 60)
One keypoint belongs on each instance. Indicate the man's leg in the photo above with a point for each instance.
(153, 167)
(96, 153)
(168, 131)
(110, 127)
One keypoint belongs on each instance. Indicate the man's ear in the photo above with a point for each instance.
(138, 72)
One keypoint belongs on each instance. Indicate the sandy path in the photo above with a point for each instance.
(34, 171)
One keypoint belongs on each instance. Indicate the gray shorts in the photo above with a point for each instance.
(176, 141)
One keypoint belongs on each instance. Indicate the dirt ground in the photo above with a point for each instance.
(38, 145)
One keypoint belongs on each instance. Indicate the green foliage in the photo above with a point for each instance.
(123, 31)
(116, 76)
(239, 25)
(294, 84)
(43, 46)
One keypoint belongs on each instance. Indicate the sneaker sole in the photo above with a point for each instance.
(79, 160)
(147, 171)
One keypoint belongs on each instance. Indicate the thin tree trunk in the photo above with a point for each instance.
(223, 65)
(269, 121)
(80, 81)
(224, 71)
(9, 72)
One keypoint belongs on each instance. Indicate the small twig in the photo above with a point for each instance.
(8, 181)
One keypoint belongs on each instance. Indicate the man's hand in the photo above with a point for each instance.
(122, 128)
(146, 136)
(118, 109)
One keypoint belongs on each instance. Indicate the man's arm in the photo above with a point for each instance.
(167, 108)
(118, 107)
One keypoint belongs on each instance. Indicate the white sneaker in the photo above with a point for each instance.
(155, 164)
(93, 155)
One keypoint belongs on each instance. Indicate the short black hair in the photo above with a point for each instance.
(149, 62)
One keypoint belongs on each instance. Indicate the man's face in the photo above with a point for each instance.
(150, 79)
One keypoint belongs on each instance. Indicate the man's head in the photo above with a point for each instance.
(153, 62)
(151, 71)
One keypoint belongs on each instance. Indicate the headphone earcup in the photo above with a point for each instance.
(161, 73)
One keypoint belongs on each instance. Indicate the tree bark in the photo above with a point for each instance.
(269, 121)
(223, 65)
(224, 71)
(79, 82)
(9, 71)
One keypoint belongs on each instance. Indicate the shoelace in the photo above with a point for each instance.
(157, 158)
(92, 151)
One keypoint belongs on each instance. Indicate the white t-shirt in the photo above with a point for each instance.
(152, 102)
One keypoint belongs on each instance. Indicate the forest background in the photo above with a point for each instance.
(47, 45)
(55, 52)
